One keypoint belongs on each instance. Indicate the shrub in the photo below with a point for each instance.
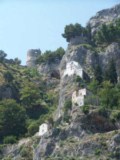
(26, 153)
(66, 118)
(33, 128)
(108, 33)
(9, 140)
(103, 112)
(97, 152)
(115, 116)
(68, 105)
(85, 109)
(12, 118)
(51, 56)
(8, 76)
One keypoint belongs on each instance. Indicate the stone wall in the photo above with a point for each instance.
(43, 129)
(32, 55)
(73, 68)
(78, 40)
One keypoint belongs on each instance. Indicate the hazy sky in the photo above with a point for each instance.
(31, 24)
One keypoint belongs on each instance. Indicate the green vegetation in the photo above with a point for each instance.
(85, 109)
(27, 100)
(10, 140)
(2, 56)
(109, 95)
(110, 72)
(66, 109)
(12, 118)
(51, 56)
(67, 105)
(72, 31)
(98, 74)
(108, 33)
(97, 152)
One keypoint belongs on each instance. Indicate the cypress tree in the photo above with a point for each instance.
(98, 74)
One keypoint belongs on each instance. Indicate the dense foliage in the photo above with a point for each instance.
(25, 101)
(108, 33)
(110, 72)
(51, 56)
(72, 31)
(12, 118)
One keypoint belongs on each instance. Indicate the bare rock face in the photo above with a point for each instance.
(32, 55)
(111, 52)
(105, 16)
(81, 54)
(86, 60)
(50, 69)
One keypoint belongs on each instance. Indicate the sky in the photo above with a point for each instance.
(38, 24)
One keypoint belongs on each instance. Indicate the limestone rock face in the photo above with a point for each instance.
(76, 138)
(90, 135)
(50, 69)
(86, 60)
(111, 52)
(104, 16)
(32, 55)
(80, 54)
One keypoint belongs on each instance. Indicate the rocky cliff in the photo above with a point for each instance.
(76, 135)
(104, 16)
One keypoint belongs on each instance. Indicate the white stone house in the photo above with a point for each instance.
(43, 128)
(78, 97)
(83, 97)
(72, 68)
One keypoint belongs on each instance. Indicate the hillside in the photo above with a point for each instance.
(73, 95)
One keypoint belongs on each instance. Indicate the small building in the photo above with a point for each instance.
(32, 56)
(43, 128)
(78, 97)
(74, 68)
(83, 97)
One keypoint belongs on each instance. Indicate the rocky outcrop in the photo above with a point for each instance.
(50, 69)
(89, 136)
(111, 52)
(105, 16)
(83, 136)
(78, 139)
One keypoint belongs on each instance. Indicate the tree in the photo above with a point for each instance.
(110, 72)
(8, 76)
(72, 31)
(94, 86)
(108, 95)
(108, 33)
(51, 56)
(98, 74)
(32, 99)
(2, 55)
(12, 118)
(17, 61)
(29, 94)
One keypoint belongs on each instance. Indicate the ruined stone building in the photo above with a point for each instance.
(32, 56)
